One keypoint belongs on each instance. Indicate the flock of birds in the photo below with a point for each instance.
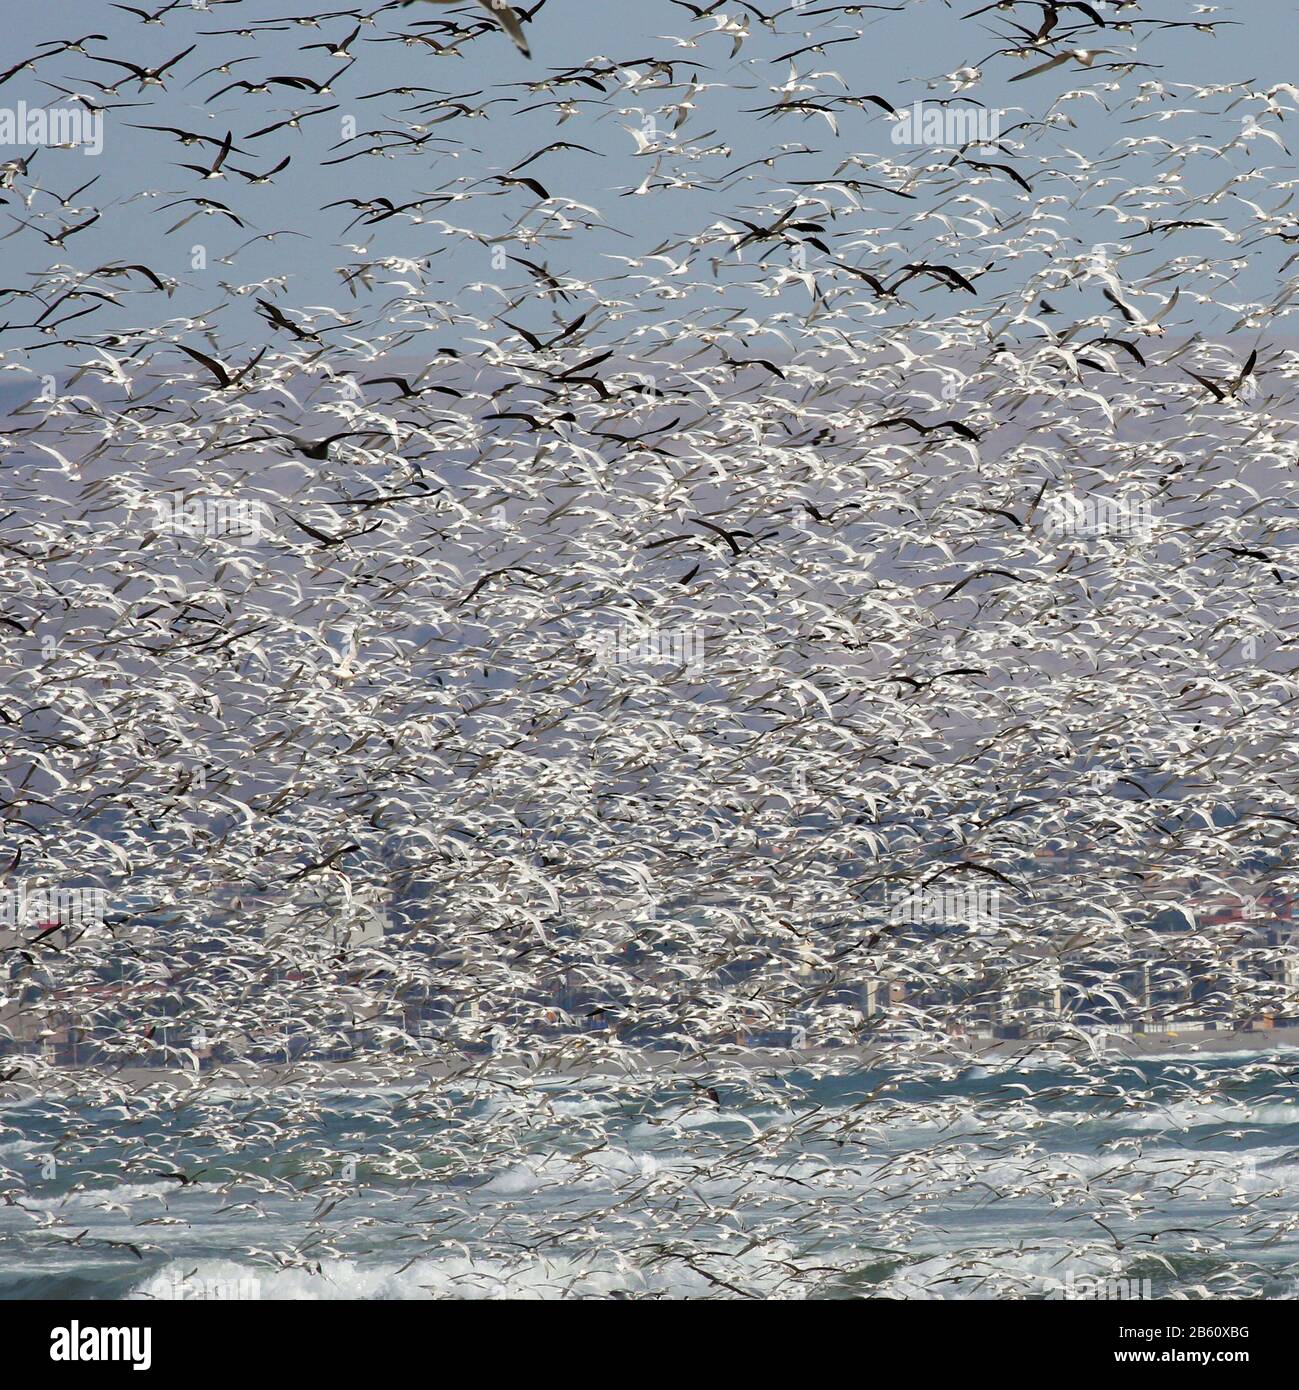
(508, 373)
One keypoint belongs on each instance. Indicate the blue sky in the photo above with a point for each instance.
(900, 56)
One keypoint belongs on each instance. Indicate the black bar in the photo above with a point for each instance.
(967, 1338)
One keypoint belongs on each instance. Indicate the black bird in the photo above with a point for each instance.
(213, 171)
(954, 425)
(950, 276)
(407, 390)
(1220, 391)
(148, 77)
(218, 369)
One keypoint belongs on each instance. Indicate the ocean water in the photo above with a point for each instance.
(1167, 1176)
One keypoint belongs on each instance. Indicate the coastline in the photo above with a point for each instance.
(579, 1063)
